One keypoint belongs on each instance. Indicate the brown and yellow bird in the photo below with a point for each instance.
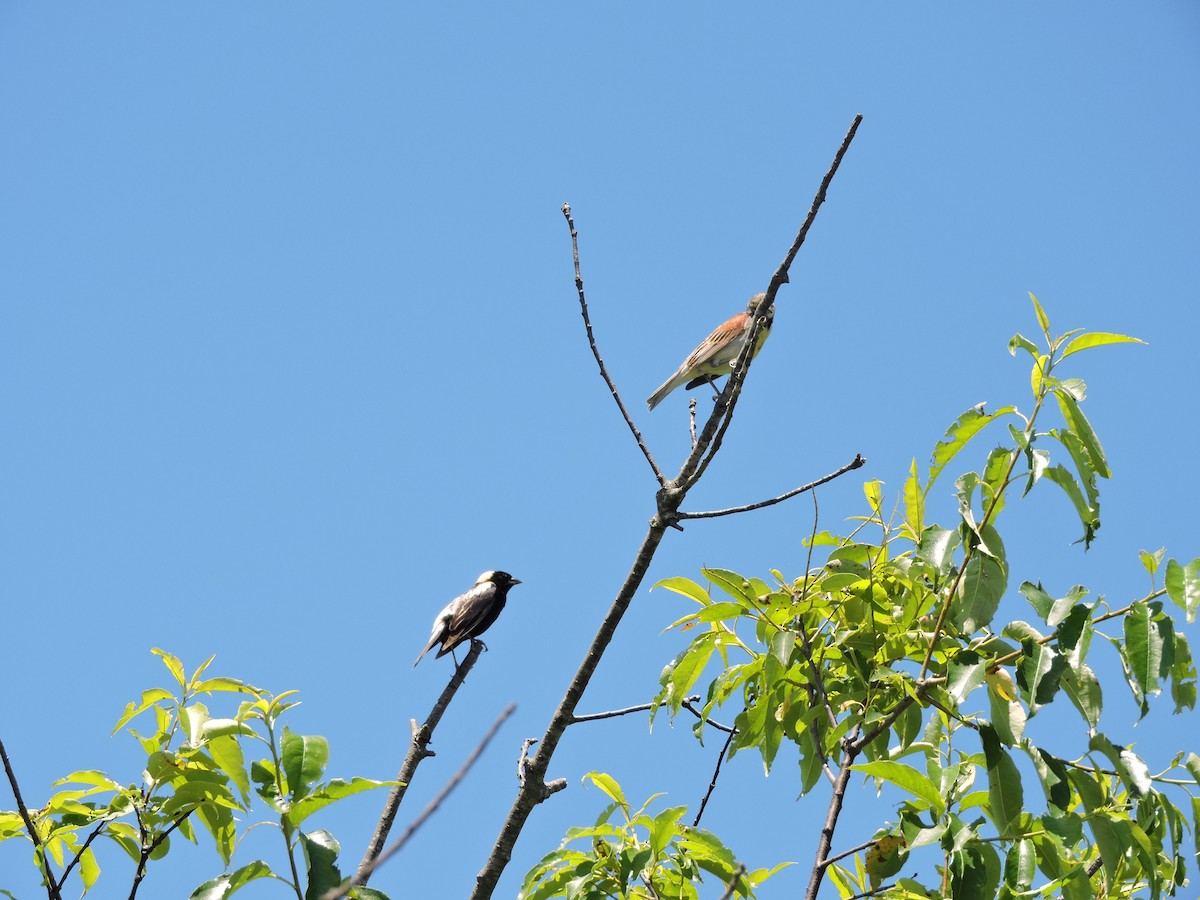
(718, 353)
(471, 614)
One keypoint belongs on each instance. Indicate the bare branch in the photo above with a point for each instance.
(692, 419)
(587, 323)
(732, 886)
(856, 463)
(712, 784)
(365, 870)
(418, 749)
(849, 752)
(51, 887)
(687, 704)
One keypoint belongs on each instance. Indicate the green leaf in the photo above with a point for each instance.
(1083, 689)
(174, 666)
(1037, 597)
(609, 785)
(937, 547)
(304, 758)
(664, 828)
(1052, 772)
(227, 754)
(684, 670)
(1088, 515)
(1005, 795)
(958, 435)
(1152, 560)
(1096, 339)
(1183, 586)
(1020, 865)
(1008, 717)
(1079, 425)
(914, 501)
(906, 778)
(685, 587)
(1019, 340)
(330, 793)
(1148, 641)
(967, 671)
(320, 854)
(149, 698)
(1039, 674)
(979, 593)
(1042, 318)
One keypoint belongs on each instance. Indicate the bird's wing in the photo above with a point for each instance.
(473, 612)
(723, 335)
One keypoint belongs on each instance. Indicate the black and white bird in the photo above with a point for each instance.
(471, 614)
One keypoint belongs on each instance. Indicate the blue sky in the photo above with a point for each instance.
(291, 352)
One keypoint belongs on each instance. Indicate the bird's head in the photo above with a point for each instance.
(498, 578)
(755, 304)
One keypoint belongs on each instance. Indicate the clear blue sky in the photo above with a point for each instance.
(291, 352)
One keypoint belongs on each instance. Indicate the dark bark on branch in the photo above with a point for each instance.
(418, 749)
(366, 868)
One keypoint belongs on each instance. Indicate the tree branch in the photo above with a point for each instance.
(738, 872)
(418, 749)
(712, 785)
(51, 888)
(668, 499)
(365, 870)
(587, 324)
(858, 462)
(849, 752)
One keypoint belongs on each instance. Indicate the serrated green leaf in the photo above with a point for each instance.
(148, 699)
(1145, 644)
(1096, 339)
(1088, 515)
(1052, 772)
(914, 501)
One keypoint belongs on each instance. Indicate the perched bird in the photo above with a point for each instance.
(717, 355)
(471, 614)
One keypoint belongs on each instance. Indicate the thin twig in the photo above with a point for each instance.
(858, 461)
(418, 749)
(29, 826)
(732, 886)
(687, 704)
(587, 323)
(692, 419)
(148, 851)
(840, 856)
(96, 832)
(428, 811)
(712, 785)
(628, 710)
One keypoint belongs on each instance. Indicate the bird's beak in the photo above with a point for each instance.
(516, 581)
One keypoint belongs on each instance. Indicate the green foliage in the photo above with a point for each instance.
(196, 772)
(889, 649)
(638, 856)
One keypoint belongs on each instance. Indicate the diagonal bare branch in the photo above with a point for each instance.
(858, 461)
(418, 749)
(587, 324)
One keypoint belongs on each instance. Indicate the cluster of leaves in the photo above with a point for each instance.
(887, 649)
(641, 856)
(196, 772)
